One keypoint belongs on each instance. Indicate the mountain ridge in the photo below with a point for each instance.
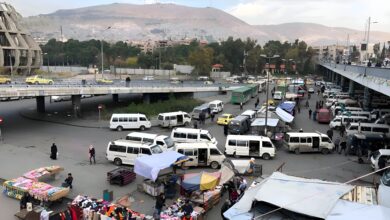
(156, 21)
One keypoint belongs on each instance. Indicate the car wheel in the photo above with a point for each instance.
(117, 162)
(297, 151)
(50, 83)
(325, 151)
(36, 83)
(266, 156)
(214, 165)
(142, 128)
(119, 128)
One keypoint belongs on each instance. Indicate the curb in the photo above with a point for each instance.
(56, 122)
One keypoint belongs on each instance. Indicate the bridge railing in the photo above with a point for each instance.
(368, 71)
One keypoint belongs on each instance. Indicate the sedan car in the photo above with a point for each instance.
(39, 80)
(225, 119)
(104, 81)
(5, 80)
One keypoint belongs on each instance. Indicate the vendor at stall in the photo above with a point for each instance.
(187, 209)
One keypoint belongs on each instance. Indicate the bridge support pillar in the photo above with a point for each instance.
(76, 105)
(367, 99)
(351, 88)
(115, 98)
(40, 104)
(342, 82)
(146, 98)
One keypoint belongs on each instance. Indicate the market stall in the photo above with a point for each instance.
(29, 182)
(156, 166)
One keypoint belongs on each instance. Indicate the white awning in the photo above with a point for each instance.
(272, 122)
(358, 211)
(286, 117)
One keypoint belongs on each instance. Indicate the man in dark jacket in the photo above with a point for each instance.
(53, 151)
(160, 203)
(330, 134)
(224, 208)
(92, 154)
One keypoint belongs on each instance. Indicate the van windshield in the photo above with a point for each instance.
(169, 142)
(206, 136)
(156, 149)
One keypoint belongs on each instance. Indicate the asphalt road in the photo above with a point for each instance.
(27, 144)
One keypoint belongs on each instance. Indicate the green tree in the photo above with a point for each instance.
(201, 59)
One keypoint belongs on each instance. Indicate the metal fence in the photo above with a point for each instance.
(368, 71)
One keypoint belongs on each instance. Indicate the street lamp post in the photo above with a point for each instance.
(101, 45)
(368, 34)
(266, 102)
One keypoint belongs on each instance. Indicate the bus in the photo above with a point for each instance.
(254, 89)
(241, 95)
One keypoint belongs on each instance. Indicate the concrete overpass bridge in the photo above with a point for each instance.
(76, 91)
(373, 80)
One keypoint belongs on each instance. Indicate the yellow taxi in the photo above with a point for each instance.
(104, 81)
(271, 102)
(5, 80)
(39, 80)
(224, 119)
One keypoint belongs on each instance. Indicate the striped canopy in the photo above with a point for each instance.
(200, 181)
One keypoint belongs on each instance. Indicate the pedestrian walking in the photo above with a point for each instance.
(53, 151)
(212, 116)
(336, 144)
(225, 130)
(225, 207)
(195, 124)
(256, 104)
(342, 130)
(330, 134)
(241, 106)
(307, 104)
(160, 203)
(299, 109)
(310, 111)
(343, 147)
(308, 95)
(92, 154)
(258, 100)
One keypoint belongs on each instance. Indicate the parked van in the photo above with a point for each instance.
(172, 119)
(307, 142)
(125, 151)
(129, 121)
(250, 145)
(205, 109)
(278, 95)
(239, 125)
(379, 112)
(250, 113)
(201, 154)
(336, 110)
(358, 113)
(216, 106)
(324, 115)
(340, 120)
(146, 138)
(365, 128)
(377, 155)
(190, 135)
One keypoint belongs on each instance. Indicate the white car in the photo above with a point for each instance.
(311, 90)
(278, 95)
(377, 155)
(56, 98)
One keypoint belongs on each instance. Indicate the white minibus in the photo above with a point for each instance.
(307, 142)
(146, 138)
(201, 154)
(125, 151)
(250, 145)
(216, 106)
(340, 120)
(172, 119)
(191, 135)
(129, 121)
(367, 128)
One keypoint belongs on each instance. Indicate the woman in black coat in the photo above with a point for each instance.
(53, 151)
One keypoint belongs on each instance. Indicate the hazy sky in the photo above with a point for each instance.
(335, 13)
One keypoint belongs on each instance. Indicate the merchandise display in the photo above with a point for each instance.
(175, 212)
(94, 209)
(43, 172)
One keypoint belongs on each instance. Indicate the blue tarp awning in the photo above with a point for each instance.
(149, 166)
(287, 106)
